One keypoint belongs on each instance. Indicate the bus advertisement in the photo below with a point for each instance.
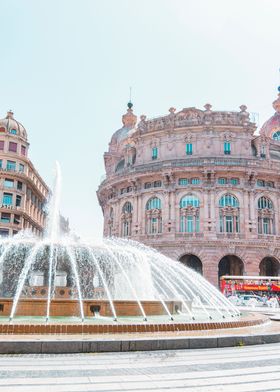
(244, 284)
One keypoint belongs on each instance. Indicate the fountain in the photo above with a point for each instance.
(63, 284)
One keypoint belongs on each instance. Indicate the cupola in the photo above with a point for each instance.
(10, 125)
(271, 127)
(129, 121)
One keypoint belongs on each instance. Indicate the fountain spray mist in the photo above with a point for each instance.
(53, 232)
(53, 225)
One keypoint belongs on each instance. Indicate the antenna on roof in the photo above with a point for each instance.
(130, 104)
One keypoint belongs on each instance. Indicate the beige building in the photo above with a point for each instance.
(201, 186)
(23, 193)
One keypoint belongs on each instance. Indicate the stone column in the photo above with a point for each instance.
(172, 212)
(213, 212)
(253, 214)
(244, 229)
(141, 215)
(165, 211)
(134, 214)
(204, 216)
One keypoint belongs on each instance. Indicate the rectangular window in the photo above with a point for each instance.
(189, 148)
(5, 218)
(13, 131)
(21, 167)
(147, 185)
(11, 166)
(157, 184)
(222, 181)
(154, 225)
(154, 153)
(8, 183)
(7, 199)
(234, 181)
(195, 181)
(229, 224)
(12, 147)
(16, 219)
(270, 184)
(4, 232)
(237, 227)
(227, 148)
(260, 183)
(190, 224)
(23, 150)
(18, 201)
(19, 185)
(266, 226)
(183, 181)
(1, 162)
(2, 145)
(221, 223)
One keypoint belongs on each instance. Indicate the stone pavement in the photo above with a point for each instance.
(85, 343)
(238, 369)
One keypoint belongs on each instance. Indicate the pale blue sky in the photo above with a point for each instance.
(66, 67)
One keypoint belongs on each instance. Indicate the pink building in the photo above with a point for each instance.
(23, 192)
(201, 186)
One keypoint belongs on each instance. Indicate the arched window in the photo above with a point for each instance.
(189, 214)
(265, 202)
(127, 207)
(120, 165)
(126, 219)
(229, 214)
(228, 200)
(154, 203)
(265, 216)
(189, 200)
(276, 136)
(153, 216)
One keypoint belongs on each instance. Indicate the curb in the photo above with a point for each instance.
(123, 345)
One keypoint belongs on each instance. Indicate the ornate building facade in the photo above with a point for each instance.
(23, 193)
(201, 186)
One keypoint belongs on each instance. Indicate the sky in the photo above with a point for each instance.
(67, 65)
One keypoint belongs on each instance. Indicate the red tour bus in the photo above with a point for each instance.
(230, 285)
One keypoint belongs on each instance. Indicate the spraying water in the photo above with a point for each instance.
(110, 269)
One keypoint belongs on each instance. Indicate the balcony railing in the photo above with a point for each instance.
(189, 235)
(190, 162)
(231, 235)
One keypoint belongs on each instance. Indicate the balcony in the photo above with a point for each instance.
(187, 162)
(189, 235)
(268, 237)
(231, 235)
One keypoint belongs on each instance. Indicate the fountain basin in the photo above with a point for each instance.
(135, 325)
(64, 307)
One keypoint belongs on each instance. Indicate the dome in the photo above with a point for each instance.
(129, 121)
(271, 127)
(11, 125)
(121, 134)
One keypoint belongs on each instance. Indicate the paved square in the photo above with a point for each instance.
(242, 369)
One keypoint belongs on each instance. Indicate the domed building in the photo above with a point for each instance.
(23, 193)
(201, 186)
